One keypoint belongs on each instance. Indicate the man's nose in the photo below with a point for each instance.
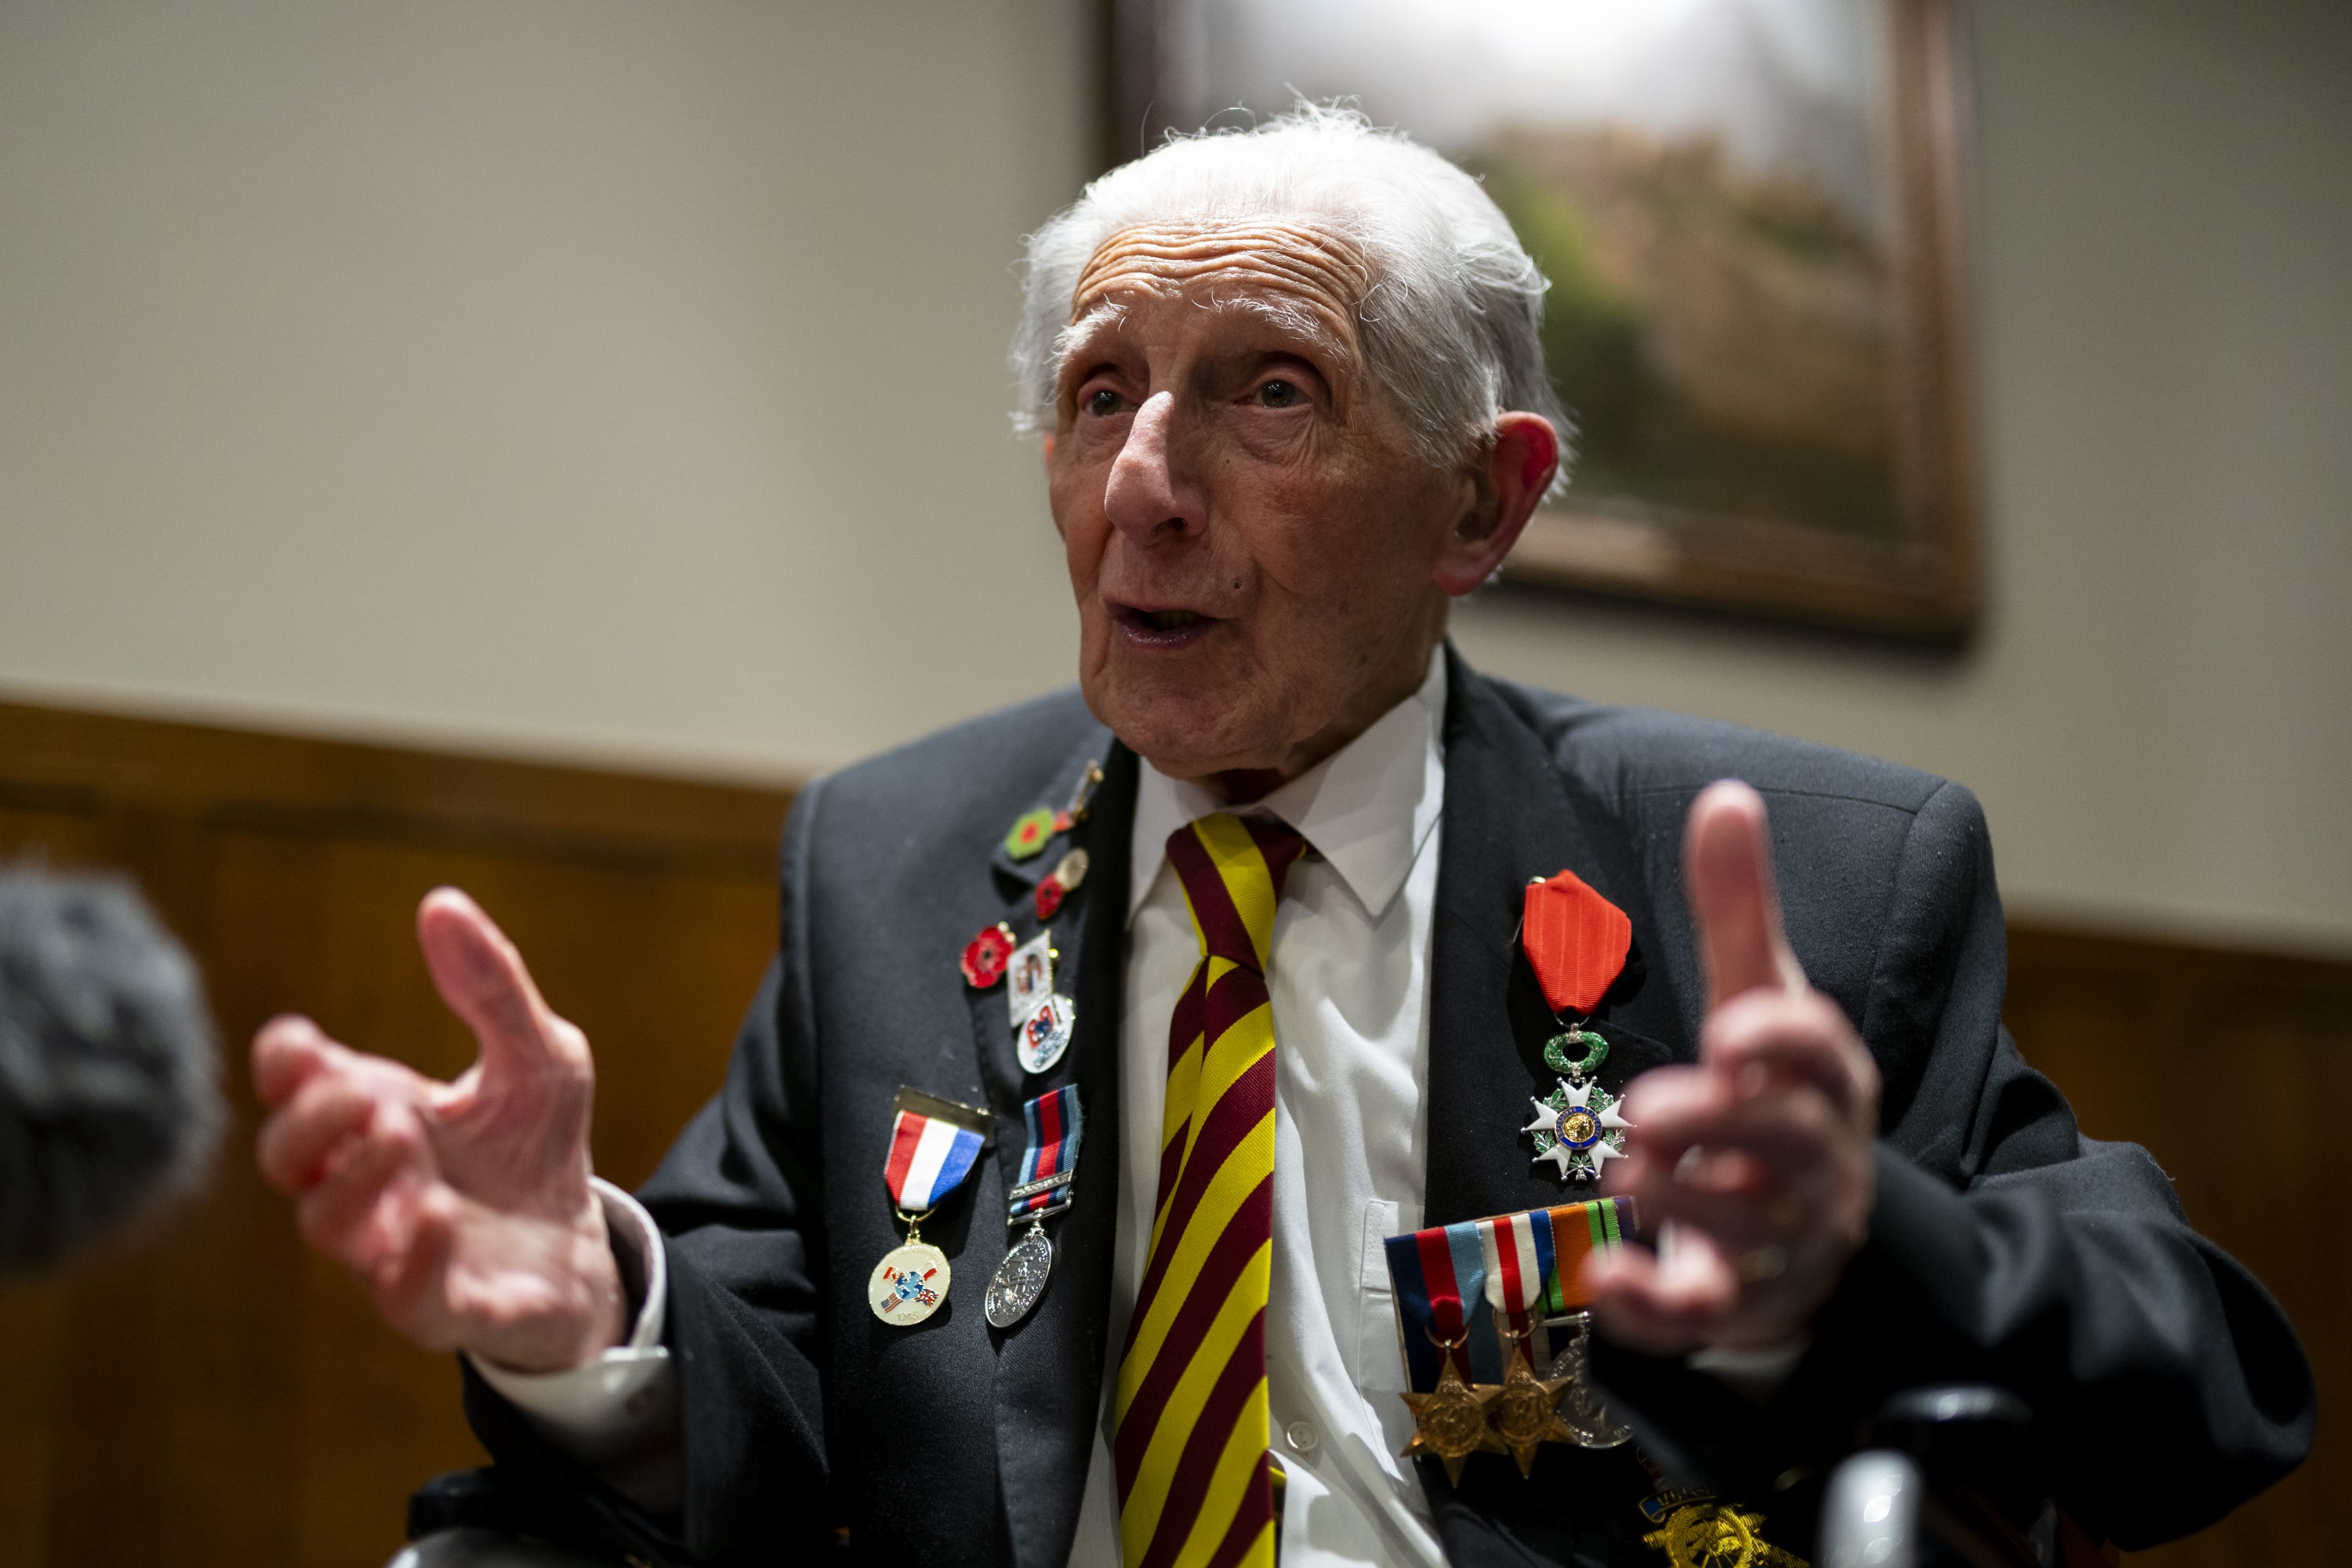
(1150, 495)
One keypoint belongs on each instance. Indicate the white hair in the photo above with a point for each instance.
(1450, 324)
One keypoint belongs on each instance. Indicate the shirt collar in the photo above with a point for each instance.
(1366, 808)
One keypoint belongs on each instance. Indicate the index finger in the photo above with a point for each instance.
(1727, 879)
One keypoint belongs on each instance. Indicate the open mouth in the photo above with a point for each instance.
(1161, 629)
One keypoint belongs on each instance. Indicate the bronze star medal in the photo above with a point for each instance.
(1450, 1421)
(1526, 1410)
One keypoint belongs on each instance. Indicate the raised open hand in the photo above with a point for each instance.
(1759, 1160)
(464, 1208)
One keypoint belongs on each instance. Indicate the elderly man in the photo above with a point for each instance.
(1281, 992)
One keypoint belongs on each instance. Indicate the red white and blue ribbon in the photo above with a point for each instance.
(1051, 1161)
(929, 1153)
(1518, 1251)
(1454, 1281)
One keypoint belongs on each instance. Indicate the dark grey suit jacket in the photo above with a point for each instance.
(2167, 1386)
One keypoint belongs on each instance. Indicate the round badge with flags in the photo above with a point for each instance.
(908, 1284)
(1045, 1033)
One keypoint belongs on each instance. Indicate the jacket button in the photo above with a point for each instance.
(1303, 1435)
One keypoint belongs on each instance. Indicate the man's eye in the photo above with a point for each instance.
(1279, 395)
(1102, 403)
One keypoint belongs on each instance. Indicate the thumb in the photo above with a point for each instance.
(481, 976)
(1728, 878)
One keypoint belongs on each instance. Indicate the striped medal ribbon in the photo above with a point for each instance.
(1477, 1302)
(934, 1143)
(1048, 1167)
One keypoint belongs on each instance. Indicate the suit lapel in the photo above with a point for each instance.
(1512, 814)
(1049, 1366)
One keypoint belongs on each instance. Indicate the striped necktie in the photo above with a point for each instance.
(1196, 1488)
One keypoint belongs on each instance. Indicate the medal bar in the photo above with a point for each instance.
(1048, 1170)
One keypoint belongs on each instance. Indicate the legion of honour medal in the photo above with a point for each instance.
(1576, 943)
(934, 1143)
(1047, 1168)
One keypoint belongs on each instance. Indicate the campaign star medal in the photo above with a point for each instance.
(1450, 1420)
(934, 1144)
(1525, 1269)
(1576, 943)
(1525, 1409)
(1695, 1531)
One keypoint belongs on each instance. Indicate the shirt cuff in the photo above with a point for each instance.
(626, 1401)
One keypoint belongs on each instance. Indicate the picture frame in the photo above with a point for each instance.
(1760, 320)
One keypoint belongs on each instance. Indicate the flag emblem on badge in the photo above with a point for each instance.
(906, 1285)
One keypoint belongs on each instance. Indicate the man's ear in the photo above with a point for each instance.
(1508, 482)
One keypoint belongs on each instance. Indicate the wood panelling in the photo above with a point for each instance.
(2232, 1069)
(216, 1394)
(212, 1394)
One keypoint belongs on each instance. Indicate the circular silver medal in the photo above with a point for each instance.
(908, 1284)
(1021, 1279)
(1579, 1406)
(1044, 1033)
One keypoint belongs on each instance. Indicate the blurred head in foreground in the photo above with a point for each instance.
(110, 1096)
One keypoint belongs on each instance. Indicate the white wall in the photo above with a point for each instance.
(621, 382)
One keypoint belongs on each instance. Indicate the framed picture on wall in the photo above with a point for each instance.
(1751, 214)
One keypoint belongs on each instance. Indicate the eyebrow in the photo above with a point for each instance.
(1298, 322)
(1294, 321)
(1081, 334)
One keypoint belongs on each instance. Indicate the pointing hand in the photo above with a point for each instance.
(1757, 1162)
(463, 1208)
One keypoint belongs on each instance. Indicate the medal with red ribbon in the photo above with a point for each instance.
(1576, 943)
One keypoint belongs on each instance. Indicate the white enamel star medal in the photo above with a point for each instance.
(1578, 1129)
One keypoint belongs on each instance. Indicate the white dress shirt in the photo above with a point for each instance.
(1349, 982)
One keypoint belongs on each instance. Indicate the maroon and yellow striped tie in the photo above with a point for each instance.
(1194, 1487)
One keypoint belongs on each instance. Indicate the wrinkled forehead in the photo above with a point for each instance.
(1319, 277)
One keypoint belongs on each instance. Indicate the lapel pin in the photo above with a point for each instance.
(1030, 832)
(986, 955)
